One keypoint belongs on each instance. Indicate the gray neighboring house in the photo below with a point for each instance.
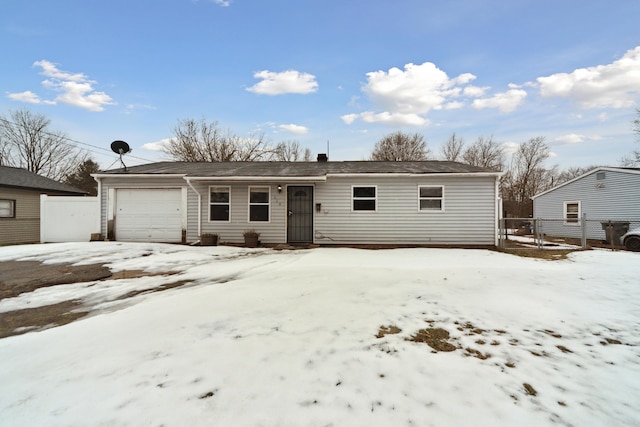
(20, 192)
(603, 194)
(350, 202)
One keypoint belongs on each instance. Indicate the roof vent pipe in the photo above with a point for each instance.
(322, 157)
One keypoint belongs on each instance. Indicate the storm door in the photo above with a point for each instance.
(300, 214)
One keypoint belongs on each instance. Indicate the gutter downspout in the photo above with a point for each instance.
(199, 206)
(99, 195)
(498, 215)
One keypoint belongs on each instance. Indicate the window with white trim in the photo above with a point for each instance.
(259, 204)
(572, 213)
(7, 208)
(219, 204)
(364, 198)
(431, 197)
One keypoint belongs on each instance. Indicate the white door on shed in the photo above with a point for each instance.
(149, 215)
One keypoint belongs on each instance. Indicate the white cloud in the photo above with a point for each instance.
(404, 97)
(294, 128)
(474, 91)
(571, 138)
(350, 118)
(156, 145)
(290, 81)
(416, 90)
(76, 89)
(505, 101)
(613, 85)
(28, 97)
(386, 118)
(510, 148)
(223, 3)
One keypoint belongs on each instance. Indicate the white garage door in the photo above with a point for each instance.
(145, 215)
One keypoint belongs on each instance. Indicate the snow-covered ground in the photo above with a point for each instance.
(288, 338)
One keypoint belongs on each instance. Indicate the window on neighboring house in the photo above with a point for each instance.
(431, 197)
(572, 213)
(7, 208)
(219, 203)
(364, 198)
(259, 204)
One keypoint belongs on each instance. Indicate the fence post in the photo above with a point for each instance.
(584, 230)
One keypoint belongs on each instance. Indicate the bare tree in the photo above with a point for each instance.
(633, 159)
(27, 142)
(452, 149)
(484, 153)
(291, 151)
(199, 141)
(253, 148)
(571, 173)
(202, 141)
(401, 147)
(527, 175)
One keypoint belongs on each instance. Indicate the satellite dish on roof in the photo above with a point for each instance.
(121, 148)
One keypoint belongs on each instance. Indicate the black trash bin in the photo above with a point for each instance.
(615, 230)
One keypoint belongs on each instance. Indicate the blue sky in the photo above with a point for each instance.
(318, 71)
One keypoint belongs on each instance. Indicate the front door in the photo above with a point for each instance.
(300, 214)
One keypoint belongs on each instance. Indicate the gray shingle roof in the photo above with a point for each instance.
(297, 169)
(22, 178)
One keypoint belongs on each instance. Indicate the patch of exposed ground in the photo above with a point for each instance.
(472, 341)
(546, 254)
(388, 330)
(18, 277)
(436, 338)
(22, 321)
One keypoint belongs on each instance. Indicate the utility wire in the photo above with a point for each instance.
(64, 137)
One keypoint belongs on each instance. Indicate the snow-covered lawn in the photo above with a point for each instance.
(288, 338)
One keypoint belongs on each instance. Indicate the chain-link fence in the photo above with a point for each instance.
(565, 233)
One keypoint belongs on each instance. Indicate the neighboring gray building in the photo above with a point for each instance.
(603, 194)
(351, 202)
(20, 192)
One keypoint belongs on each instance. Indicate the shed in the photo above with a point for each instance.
(325, 202)
(20, 192)
(605, 194)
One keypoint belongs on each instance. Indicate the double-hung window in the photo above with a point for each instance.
(259, 204)
(431, 197)
(572, 213)
(219, 204)
(7, 208)
(364, 198)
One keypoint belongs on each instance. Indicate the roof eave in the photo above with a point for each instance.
(320, 178)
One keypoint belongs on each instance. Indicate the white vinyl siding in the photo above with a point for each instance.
(273, 231)
(470, 217)
(614, 196)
